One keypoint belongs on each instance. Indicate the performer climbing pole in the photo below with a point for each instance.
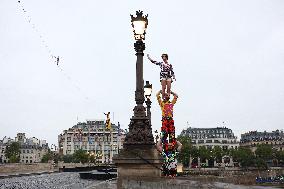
(168, 145)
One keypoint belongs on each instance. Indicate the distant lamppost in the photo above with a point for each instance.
(147, 93)
(156, 136)
(140, 131)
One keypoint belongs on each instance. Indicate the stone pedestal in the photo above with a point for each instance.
(137, 162)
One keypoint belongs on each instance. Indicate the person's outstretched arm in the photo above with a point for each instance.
(153, 61)
(159, 97)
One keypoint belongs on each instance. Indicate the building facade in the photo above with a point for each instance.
(31, 149)
(3, 144)
(93, 137)
(253, 138)
(210, 138)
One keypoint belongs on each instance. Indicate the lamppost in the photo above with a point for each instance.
(139, 152)
(156, 136)
(140, 131)
(147, 93)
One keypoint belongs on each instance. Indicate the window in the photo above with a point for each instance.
(225, 147)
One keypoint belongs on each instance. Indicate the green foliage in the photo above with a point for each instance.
(264, 151)
(183, 156)
(194, 152)
(92, 159)
(204, 153)
(13, 152)
(81, 156)
(279, 155)
(245, 157)
(260, 163)
(68, 158)
(46, 157)
(218, 154)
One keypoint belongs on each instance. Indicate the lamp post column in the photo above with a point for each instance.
(148, 103)
(139, 110)
(140, 131)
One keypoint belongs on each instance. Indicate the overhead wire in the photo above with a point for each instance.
(57, 60)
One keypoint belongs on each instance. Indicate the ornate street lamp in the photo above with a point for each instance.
(148, 89)
(139, 25)
(147, 93)
(139, 152)
(140, 131)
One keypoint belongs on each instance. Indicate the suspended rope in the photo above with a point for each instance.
(55, 58)
(30, 21)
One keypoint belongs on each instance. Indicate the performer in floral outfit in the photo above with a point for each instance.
(168, 139)
(167, 73)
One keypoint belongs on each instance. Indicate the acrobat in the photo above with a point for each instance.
(167, 74)
(168, 140)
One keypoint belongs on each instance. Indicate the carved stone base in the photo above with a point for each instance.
(140, 132)
(138, 161)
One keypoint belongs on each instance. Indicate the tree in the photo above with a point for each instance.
(68, 158)
(12, 152)
(264, 151)
(280, 157)
(260, 163)
(245, 157)
(204, 153)
(218, 154)
(194, 152)
(183, 156)
(46, 157)
(81, 156)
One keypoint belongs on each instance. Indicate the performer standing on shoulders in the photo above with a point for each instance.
(166, 75)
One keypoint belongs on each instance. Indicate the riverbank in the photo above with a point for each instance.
(11, 175)
(20, 168)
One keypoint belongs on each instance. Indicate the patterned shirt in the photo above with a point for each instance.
(167, 107)
(166, 69)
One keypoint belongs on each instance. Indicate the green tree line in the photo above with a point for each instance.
(244, 156)
(13, 152)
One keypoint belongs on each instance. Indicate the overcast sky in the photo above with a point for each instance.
(228, 57)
